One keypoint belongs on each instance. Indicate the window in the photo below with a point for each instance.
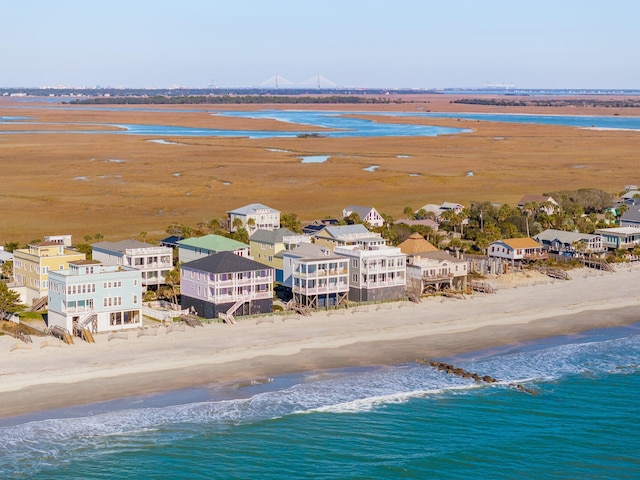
(355, 277)
(354, 263)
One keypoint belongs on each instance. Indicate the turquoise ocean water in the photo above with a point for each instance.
(402, 421)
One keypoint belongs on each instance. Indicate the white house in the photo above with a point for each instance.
(376, 273)
(517, 249)
(366, 214)
(253, 217)
(152, 260)
(317, 277)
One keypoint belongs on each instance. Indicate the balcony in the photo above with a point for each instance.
(532, 256)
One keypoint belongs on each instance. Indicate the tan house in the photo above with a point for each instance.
(429, 269)
(267, 247)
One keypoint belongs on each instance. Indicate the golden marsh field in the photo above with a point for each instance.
(83, 183)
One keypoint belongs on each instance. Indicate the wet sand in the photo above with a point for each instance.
(38, 379)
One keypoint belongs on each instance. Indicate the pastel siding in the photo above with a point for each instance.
(113, 294)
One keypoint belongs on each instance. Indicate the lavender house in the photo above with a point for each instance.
(226, 284)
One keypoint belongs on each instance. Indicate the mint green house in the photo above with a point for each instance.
(191, 249)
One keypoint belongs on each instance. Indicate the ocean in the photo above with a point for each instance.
(401, 421)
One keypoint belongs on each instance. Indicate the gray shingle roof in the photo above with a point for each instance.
(121, 246)
(252, 209)
(271, 236)
(224, 262)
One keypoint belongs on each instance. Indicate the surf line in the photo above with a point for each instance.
(460, 372)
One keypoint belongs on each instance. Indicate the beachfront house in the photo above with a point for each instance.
(340, 235)
(367, 214)
(153, 261)
(429, 269)
(376, 273)
(518, 250)
(317, 277)
(570, 243)
(93, 296)
(31, 267)
(225, 284)
(190, 249)
(620, 237)
(253, 217)
(267, 247)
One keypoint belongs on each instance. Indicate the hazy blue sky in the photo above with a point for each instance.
(357, 43)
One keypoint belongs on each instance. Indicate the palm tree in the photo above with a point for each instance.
(172, 279)
(529, 210)
(408, 211)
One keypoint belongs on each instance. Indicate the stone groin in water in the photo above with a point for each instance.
(460, 372)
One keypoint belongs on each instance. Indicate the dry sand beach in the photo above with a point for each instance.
(526, 307)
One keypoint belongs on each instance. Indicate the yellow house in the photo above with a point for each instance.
(267, 247)
(31, 266)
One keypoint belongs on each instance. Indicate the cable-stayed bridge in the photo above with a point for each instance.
(277, 81)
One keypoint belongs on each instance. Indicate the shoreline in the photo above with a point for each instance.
(38, 379)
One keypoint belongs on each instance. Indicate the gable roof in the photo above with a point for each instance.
(632, 215)
(524, 242)
(416, 243)
(311, 251)
(562, 236)
(271, 236)
(213, 243)
(539, 199)
(360, 210)
(224, 262)
(336, 231)
(441, 256)
(252, 209)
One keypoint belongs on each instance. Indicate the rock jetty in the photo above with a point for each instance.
(460, 372)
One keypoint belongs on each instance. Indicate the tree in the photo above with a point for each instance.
(237, 223)
(172, 279)
(98, 236)
(408, 211)
(529, 209)
(11, 246)
(290, 221)
(88, 238)
(6, 271)
(10, 300)
(353, 218)
(241, 235)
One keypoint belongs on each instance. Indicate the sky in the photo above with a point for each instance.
(348, 43)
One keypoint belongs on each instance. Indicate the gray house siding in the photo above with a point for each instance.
(376, 294)
(211, 310)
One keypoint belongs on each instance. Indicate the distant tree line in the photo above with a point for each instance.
(228, 99)
(577, 102)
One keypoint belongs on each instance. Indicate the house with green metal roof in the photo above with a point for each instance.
(191, 249)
